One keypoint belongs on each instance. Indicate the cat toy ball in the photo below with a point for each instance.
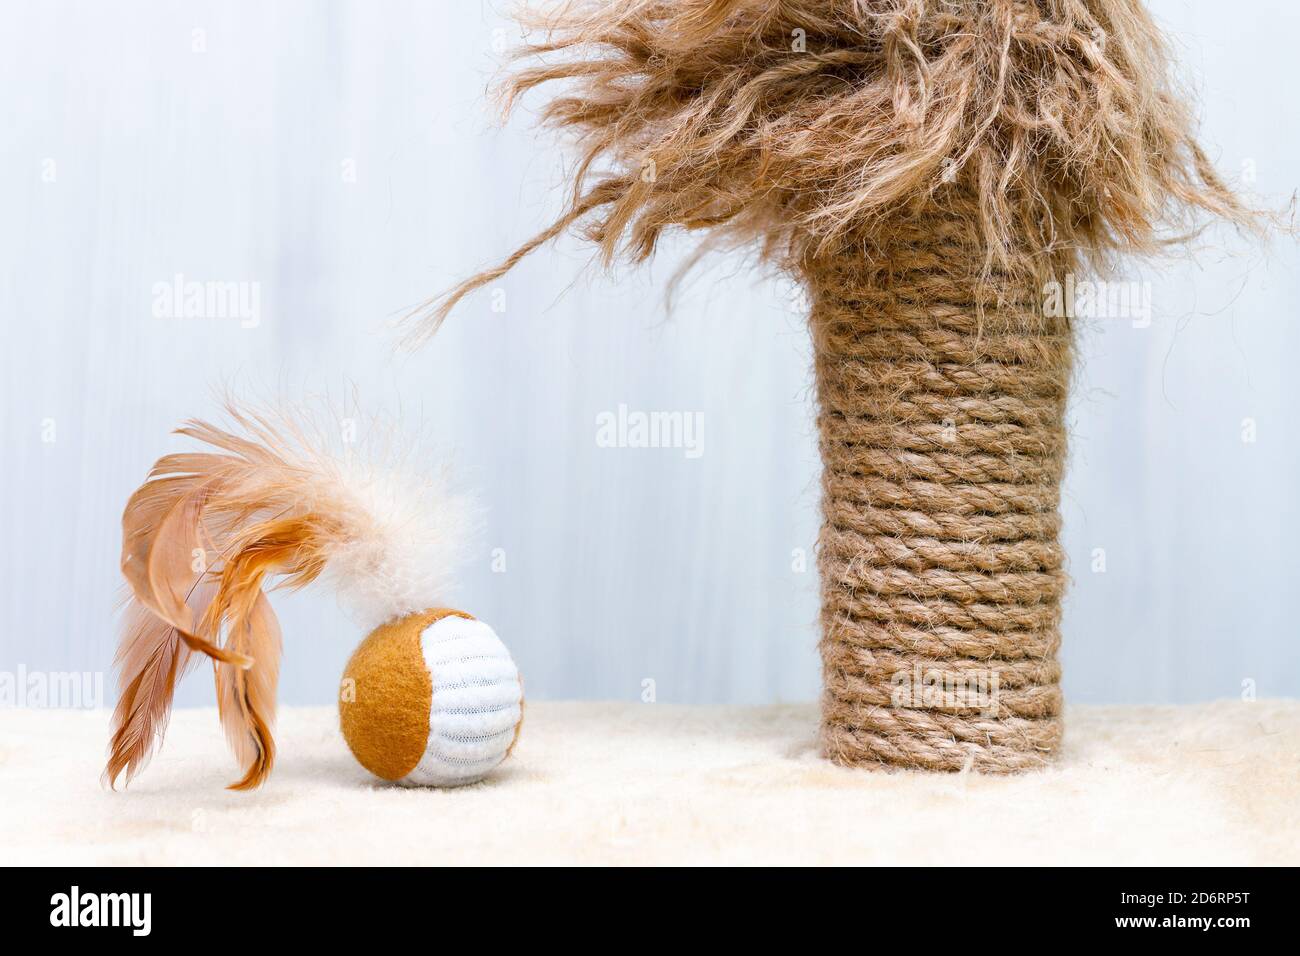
(431, 697)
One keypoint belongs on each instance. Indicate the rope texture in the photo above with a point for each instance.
(942, 436)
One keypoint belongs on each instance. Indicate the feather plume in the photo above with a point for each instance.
(150, 659)
(276, 501)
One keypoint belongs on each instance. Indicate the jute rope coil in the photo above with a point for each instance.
(941, 429)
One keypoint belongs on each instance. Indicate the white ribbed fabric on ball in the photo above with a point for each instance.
(476, 704)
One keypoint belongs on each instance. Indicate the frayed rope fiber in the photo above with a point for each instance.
(925, 168)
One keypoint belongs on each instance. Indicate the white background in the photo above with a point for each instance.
(127, 157)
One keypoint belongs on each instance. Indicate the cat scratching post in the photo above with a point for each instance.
(928, 169)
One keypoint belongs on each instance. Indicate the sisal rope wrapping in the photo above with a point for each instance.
(942, 439)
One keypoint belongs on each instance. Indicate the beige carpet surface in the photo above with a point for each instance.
(653, 783)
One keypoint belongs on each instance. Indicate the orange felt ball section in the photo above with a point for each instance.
(386, 694)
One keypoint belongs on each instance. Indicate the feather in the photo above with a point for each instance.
(163, 555)
(209, 531)
(246, 698)
(150, 659)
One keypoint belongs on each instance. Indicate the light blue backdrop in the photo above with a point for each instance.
(343, 157)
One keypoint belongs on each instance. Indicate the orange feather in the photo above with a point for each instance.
(150, 659)
(192, 506)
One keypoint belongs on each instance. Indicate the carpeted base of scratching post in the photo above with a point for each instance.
(941, 399)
